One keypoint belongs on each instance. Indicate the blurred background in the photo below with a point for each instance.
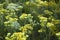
(29, 19)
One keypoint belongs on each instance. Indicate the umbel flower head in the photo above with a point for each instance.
(42, 19)
(13, 6)
(25, 16)
(17, 36)
(51, 26)
(27, 28)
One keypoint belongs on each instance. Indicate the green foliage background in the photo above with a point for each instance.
(29, 19)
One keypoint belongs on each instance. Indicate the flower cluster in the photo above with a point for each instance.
(16, 36)
(29, 20)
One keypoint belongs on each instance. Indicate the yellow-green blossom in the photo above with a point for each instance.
(23, 16)
(51, 26)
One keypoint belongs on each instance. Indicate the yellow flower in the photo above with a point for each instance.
(51, 26)
(40, 30)
(45, 3)
(55, 21)
(58, 35)
(13, 19)
(42, 19)
(48, 12)
(18, 36)
(28, 26)
(27, 3)
(23, 16)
